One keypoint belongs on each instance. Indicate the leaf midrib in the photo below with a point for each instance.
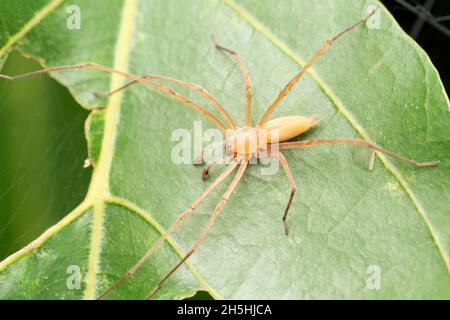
(82, 209)
(99, 186)
(284, 48)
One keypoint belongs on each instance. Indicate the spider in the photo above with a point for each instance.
(242, 143)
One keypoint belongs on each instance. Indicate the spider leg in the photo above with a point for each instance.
(130, 76)
(302, 72)
(362, 143)
(180, 218)
(290, 177)
(205, 230)
(210, 165)
(248, 87)
(185, 84)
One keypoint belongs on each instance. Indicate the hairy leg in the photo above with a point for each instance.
(302, 72)
(130, 76)
(210, 165)
(245, 76)
(185, 84)
(290, 177)
(205, 230)
(362, 143)
(183, 216)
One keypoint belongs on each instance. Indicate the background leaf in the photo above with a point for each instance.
(374, 83)
(42, 149)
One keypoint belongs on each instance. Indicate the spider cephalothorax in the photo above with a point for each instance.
(246, 142)
(251, 141)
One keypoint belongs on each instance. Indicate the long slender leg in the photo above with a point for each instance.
(299, 75)
(183, 216)
(308, 143)
(290, 177)
(185, 84)
(130, 76)
(205, 230)
(248, 87)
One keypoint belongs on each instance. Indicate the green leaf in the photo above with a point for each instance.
(346, 223)
(42, 149)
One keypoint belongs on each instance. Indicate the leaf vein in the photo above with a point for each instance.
(176, 248)
(41, 14)
(99, 186)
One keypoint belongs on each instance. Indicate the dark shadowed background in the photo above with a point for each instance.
(428, 22)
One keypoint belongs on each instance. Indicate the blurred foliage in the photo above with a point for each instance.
(41, 155)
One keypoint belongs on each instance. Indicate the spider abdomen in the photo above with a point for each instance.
(285, 128)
